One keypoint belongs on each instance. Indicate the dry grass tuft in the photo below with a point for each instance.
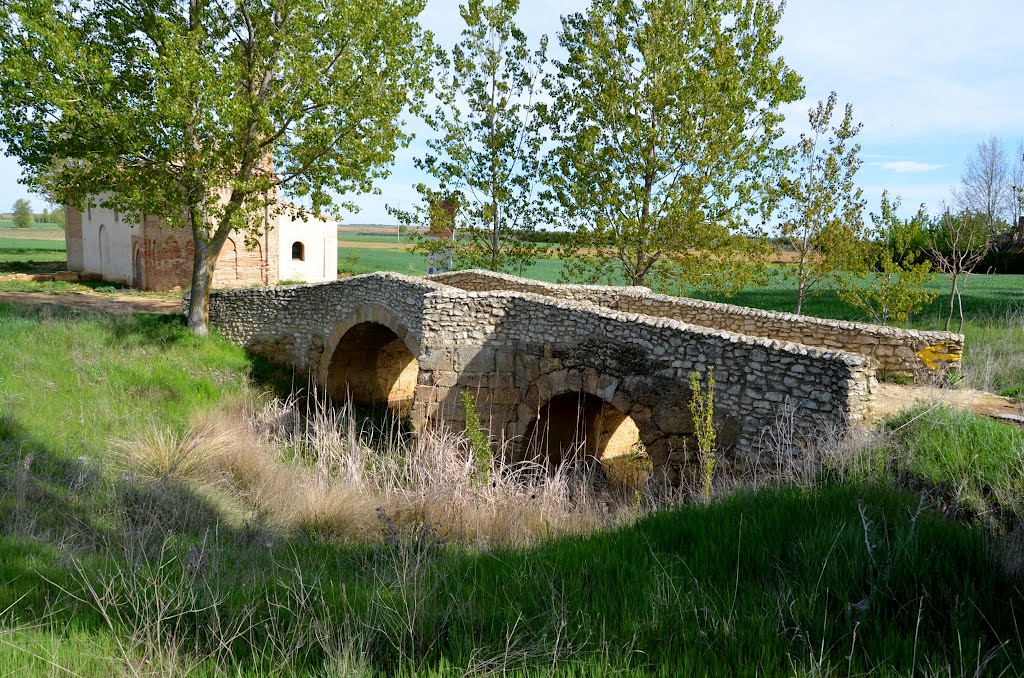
(316, 469)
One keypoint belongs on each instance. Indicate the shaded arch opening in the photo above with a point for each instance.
(371, 365)
(298, 251)
(578, 424)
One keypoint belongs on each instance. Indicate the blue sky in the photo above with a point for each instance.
(929, 79)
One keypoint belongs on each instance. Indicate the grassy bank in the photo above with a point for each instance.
(880, 564)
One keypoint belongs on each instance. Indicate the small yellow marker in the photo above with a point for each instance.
(940, 353)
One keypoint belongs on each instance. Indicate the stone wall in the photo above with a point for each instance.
(293, 324)
(515, 351)
(898, 351)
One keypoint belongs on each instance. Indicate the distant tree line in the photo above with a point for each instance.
(23, 216)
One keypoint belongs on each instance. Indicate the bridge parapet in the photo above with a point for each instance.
(418, 343)
(294, 324)
(898, 351)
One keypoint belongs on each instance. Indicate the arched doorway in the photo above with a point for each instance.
(226, 272)
(576, 424)
(371, 365)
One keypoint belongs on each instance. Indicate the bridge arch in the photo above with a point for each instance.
(574, 413)
(371, 358)
(577, 423)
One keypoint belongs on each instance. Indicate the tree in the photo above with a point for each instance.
(822, 212)
(892, 286)
(985, 183)
(1016, 196)
(664, 120)
(22, 213)
(200, 112)
(56, 216)
(959, 244)
(486, 160)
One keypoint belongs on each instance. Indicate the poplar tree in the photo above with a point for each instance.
(484, 164)
(822, 216)
(198, 112)
(22, 213)
(665, 115)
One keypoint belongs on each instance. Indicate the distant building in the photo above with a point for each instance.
(149, 255)
(442, 228)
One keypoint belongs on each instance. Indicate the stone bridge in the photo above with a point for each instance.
(556, 369)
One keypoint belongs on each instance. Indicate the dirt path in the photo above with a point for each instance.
(894, 398)
(111, 303)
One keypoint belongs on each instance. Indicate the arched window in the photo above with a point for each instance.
(298, 251)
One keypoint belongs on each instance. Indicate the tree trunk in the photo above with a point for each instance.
(800, 295)
(952, 297)
(960, 304)
(203, 262)
(495, 241)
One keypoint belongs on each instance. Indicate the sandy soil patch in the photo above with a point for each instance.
(110, 303)
(895, 398)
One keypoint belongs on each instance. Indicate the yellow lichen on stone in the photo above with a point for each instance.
(940, 353)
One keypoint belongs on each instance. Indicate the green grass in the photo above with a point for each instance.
(359, 260)
(979, 461)
(31, 245)
(79, 380)
(363, 237)
(984, 296)
(848, 576)
(36, 225)
(776, 582)
(31, 261)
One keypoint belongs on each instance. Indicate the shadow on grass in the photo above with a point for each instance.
(30, 266)
(777, 581)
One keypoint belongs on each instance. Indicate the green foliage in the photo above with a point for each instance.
(892, 286)
(22, 213)
(199, 113)
(822, 206)
(52, 216)
(479, 443)
(702, 408)
(907, 241)
(972, 457)
(664, 120)
(486, 161)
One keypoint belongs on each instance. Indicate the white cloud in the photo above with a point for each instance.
(909, 166)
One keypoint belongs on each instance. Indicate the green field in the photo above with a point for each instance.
(368, 237)
(107, 572)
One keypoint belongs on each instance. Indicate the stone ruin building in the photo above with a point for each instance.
(148, 255)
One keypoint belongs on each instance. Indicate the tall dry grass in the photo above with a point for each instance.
(307, 465)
